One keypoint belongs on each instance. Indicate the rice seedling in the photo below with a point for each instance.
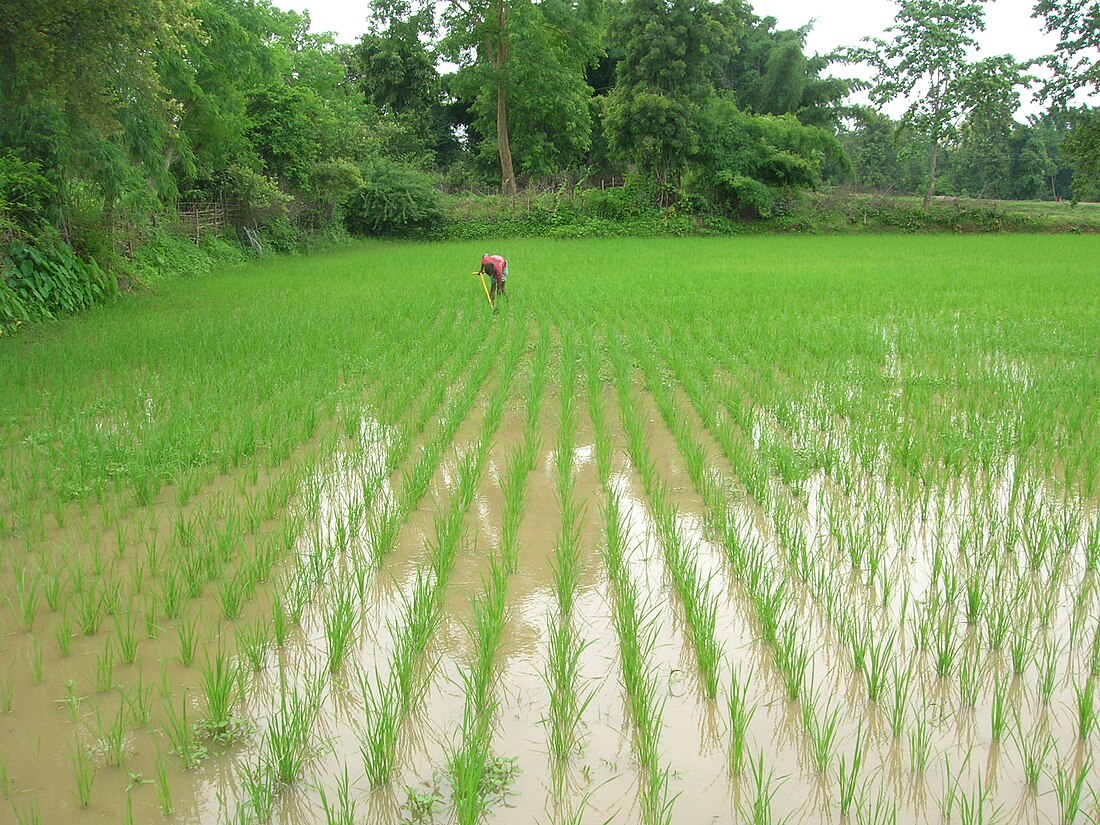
(848, 775)
(181, 734)
(378, 734)
(340, 811)
(112, 738)
(740, 713)
(28, 814)
(187, 636)
(221, 689)
(126, 636)
(105, 668)
(339, 624)
(1069, 789)
(1034, 751)
(164, 786)
(85, 773)
(1086, 709)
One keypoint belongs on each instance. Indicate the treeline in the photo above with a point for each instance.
(115, 112)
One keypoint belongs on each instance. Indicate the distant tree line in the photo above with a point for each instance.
(115, 111)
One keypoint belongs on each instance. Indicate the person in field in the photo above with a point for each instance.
(496, 267)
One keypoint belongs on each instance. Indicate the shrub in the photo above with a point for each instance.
(393, 200)
(47, 280)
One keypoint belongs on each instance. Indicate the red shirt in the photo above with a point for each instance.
(499, 264)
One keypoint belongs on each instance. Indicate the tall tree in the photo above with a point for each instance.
(524, 63)
(927, 62)
(663, 82)
(770, 73)
(1075, 63)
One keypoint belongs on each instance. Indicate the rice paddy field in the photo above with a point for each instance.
(758, 530)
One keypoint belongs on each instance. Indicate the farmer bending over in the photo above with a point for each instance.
(496, 267)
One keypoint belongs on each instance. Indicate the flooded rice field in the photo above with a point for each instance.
(607, 569)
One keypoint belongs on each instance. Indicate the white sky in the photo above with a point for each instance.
(1010, 29)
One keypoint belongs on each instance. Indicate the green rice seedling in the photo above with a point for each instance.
(997, 714)
(105, 668)
(231, 596)
(164, 786)
(1021, 651)
(468, 766)
(902, 683)
(760, 813)
(1086, 709)
(187, 635)
(112, 596)
(740, 714)
(7, 692)
(35, 656)
(126, 636)
(138, 701)
(849, 774)
(342, 810)
(28, 815)
(288, 746)
(339, 624)
(945, 648)
(171, 594)
(85, 773)
(1034, 750)
(279, 626)
(378, 735)
(149, 616)
(89, 610)
(972, 809)
(823, 731)
(221, 688)
(880, 663)
(5, 777)
(562, 678)
(252, 642)
(112, 739)
(969, 681)
(1048, 673)
(51, 587)
(181, 734)
(1069, 789)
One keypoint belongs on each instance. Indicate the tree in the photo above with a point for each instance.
(982, 164)
(927, 62)
(770, 73)
(663, 82)
(524, 67)
(1082, 148)
(1075, 63)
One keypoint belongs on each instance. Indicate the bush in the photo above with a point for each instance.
(166, 255)
(393, 200)
(47, 280)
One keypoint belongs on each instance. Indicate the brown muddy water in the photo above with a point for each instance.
(943, 764)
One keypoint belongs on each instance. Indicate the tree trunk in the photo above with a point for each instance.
(932, 176)
(507, 175)
(504, 145)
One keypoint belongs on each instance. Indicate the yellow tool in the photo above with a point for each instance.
(484, 286)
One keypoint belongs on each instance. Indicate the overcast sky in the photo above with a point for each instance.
(1010, 28)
